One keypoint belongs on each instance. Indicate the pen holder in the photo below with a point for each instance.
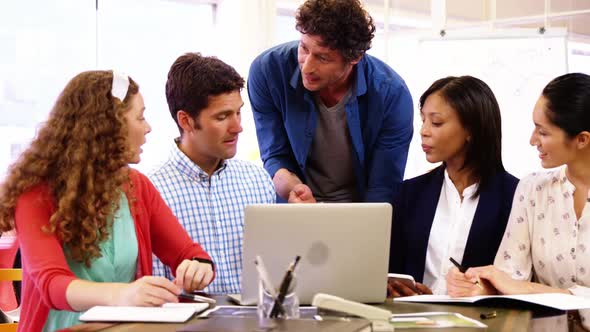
(266, 302)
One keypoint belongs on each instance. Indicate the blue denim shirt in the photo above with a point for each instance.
(379, 115)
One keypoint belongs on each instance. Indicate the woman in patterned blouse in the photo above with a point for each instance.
(547, 239)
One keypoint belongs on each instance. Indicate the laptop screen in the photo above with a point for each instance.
(344, 248)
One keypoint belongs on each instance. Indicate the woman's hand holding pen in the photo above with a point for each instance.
(495, 281)
(397, 289)
(501, 282)
(459, 284)
(146, 291)
(193, 275)
(155, 291)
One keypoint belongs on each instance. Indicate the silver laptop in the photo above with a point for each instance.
(344, 249)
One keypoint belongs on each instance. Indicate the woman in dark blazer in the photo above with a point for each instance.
(460, 208)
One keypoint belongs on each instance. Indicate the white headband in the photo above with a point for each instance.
(120, 85)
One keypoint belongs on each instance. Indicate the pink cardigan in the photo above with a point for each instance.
(46, 274)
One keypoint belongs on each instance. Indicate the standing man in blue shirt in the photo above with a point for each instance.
(205, 189)
(333, 123)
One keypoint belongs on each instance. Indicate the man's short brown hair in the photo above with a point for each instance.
(194, 78)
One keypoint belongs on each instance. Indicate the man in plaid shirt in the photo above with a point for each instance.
(204, 187)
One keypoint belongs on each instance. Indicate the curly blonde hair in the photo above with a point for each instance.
(81, 154)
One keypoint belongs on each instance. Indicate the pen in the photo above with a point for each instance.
(284, 288)
(462, 269)
(266, 283)
(197, 298)
(264, 277)
(488, 315)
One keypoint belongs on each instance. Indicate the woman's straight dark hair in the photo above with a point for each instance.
(568, 103)
(479, 113)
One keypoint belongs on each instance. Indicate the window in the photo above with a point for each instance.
(143, 38)
(49, 42)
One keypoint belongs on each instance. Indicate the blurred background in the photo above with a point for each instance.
(515, 46)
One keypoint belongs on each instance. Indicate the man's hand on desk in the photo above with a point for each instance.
(193, 275)
(397, 289)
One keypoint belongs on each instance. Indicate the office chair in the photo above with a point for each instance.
(9, 275)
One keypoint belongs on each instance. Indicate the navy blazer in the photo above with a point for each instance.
(413, 214)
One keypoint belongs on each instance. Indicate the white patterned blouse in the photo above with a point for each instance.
(544, 241)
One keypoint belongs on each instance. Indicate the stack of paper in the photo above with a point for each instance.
(168, 313)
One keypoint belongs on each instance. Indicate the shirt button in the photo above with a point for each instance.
(573, 250)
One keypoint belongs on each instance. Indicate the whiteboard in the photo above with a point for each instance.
(515, 67)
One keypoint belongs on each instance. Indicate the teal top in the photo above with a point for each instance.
(117, 264)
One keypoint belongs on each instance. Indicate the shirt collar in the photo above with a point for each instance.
(467, 192)
(185, 165)
(565, 181)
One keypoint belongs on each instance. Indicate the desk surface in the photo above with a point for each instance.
(507, 320)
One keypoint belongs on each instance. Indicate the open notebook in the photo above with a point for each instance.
(168, 313)
(550, 300)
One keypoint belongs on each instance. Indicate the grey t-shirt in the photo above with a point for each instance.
(329, 172)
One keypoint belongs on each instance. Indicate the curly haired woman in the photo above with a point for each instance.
(87, 223)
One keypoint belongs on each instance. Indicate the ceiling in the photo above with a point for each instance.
(516, 13)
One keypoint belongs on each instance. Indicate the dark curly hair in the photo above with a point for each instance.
(194, 78)
(81, 154)
(344, 25)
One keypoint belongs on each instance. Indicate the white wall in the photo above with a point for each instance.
(516, 64)
(44, 44)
